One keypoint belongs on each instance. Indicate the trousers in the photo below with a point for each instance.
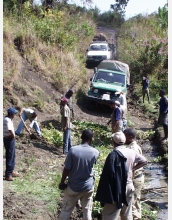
(136, 206)
(70, 200)
(9, 145)
(110, 211)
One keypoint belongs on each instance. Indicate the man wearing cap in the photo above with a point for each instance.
(79, 169)
(66, 125)
(113, 181)
(122, 99)
(69, 95)
(9, 144)
(27, 113)
(138, 179)
(116, 120)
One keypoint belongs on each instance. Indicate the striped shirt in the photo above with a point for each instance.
(8, 125)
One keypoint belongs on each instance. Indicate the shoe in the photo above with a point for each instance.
(17, 134)
(14, 174)
(9, 178)
(63, 155)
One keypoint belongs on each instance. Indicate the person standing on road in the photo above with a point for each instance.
(122, 99)
(114, 180)
(163, 113)
(138, 178)
(145, 89)
(79, 169)
(116, 120)
(123, 115)
(25, 114)
(66, 125)
(9, 144)
(69, 95)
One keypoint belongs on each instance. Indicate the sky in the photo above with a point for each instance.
(133, 8)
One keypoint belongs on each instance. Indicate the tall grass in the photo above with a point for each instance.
(54, 44)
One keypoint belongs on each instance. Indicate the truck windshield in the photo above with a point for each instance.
(98, 47)
(109, 77)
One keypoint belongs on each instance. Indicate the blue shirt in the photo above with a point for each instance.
(80, 161)
(116, 114)
(145, 83)
(163, 105)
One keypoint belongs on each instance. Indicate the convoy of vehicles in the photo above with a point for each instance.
(109, 77)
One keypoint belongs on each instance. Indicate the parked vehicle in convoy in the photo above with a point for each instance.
(98, 51)
(109, 77)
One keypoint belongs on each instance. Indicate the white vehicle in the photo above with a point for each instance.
(98, 51)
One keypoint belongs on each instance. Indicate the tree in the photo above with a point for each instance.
(120, 5)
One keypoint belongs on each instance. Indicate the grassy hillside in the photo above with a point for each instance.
(53, 43)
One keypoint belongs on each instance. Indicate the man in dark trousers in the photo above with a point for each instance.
(145, 89)
(115, 188)
(163, 113)
(9, 144)
(79, 168)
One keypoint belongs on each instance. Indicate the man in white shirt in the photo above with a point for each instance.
(9, 144)
(27, 113)
(122, 100)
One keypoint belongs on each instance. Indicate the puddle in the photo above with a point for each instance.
(155, 190)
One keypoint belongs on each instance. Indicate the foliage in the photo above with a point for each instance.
(146, 51)
(52, 135)
(110, 18)
(101, 133)
(52, 41)
(148, 212)
(145, 134)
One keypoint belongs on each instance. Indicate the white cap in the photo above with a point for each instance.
(117, 102)
(119, 137)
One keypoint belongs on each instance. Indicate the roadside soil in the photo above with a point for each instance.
(16, 206)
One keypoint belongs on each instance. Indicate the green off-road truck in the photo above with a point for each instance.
(109, 77)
